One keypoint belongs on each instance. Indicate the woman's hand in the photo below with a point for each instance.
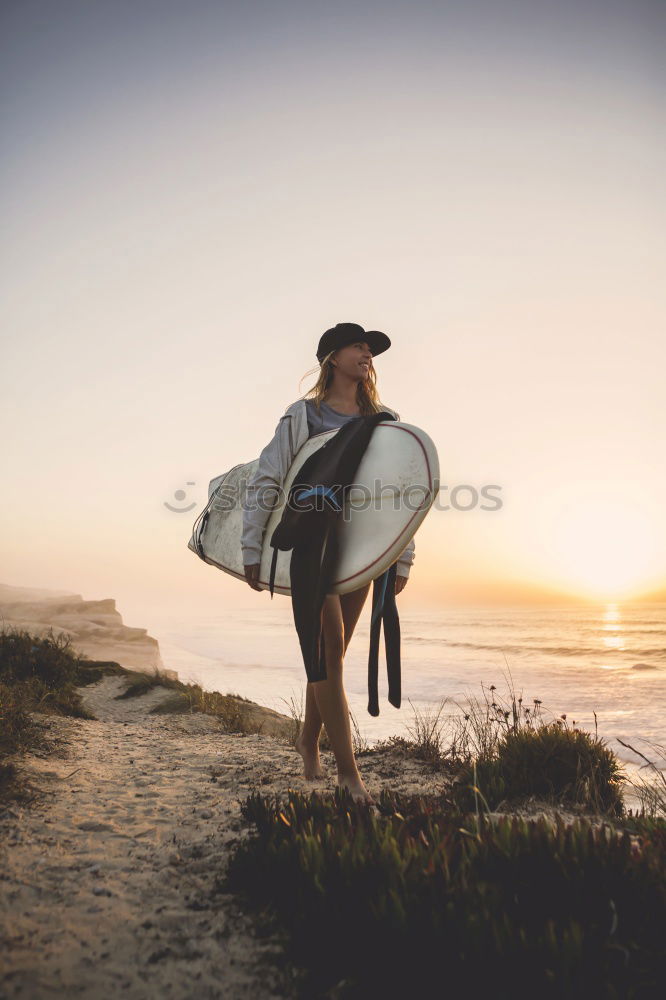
(252, 575)
(400, 583)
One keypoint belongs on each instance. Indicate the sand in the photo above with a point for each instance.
(107, 877)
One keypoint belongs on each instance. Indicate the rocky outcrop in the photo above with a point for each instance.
(96, 628)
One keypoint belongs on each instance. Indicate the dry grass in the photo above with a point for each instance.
(651, 790)
(233, 711)
(500, 750)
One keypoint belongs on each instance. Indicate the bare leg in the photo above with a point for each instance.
(352, 605)
(330, 694)
(307, 742)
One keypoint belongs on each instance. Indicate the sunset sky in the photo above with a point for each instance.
(194, 192)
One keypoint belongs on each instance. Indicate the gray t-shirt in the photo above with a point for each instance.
(327, 419)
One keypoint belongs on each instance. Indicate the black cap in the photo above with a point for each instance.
(343, 334)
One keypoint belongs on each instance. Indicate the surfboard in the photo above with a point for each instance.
(395, 486)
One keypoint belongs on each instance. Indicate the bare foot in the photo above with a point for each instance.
(356, 787)
(311, 761)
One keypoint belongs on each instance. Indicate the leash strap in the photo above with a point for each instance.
(384, 608)
(271, 582)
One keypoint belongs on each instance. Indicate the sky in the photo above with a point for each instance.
(193, 192)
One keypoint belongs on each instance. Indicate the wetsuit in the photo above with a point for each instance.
(310, 530)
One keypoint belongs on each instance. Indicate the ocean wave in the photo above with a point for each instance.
(521, 621)
(525, 648)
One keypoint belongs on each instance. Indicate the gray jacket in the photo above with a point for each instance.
(275, 461)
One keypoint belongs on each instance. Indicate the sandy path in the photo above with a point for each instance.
(106, 879)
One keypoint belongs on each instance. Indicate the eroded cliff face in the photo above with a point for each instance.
(96, 627)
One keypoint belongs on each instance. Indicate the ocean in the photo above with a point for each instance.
(608, 659)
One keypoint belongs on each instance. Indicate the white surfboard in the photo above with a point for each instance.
(394, 488)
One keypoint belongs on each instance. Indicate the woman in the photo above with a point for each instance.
(346, 388)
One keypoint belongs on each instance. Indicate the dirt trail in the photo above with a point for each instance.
(106, 878)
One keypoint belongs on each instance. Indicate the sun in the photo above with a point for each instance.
(602, 542)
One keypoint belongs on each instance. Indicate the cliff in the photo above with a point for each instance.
(96, 628)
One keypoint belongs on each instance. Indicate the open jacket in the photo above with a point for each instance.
(275, 461)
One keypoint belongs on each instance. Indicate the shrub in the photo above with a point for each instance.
(36, 674)
(552, 762)
(17, 730)
(26, 657)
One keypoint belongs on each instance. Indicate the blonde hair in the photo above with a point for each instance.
(367, 396)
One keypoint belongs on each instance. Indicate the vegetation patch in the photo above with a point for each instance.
(139, 684)
(550, 762)
(37, 674)
(390, 903)
(233, 711)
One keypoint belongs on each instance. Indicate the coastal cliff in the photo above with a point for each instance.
(96, 628)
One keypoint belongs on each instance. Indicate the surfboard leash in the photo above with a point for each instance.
(384, 609)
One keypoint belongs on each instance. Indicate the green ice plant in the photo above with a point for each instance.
(414, 890)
